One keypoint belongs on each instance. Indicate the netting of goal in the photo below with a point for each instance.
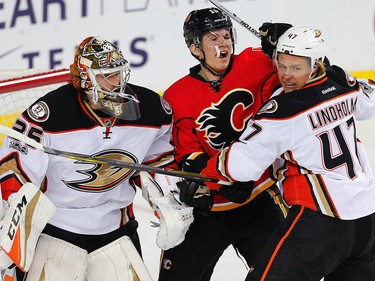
(20, 88)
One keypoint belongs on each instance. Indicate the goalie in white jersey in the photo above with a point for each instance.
(102, 115)
(310, 127)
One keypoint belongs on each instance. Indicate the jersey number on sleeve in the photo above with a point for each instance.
(34, 133)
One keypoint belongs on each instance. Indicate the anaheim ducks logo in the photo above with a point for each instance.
(270, 107)
(224, 121)
(101, 177)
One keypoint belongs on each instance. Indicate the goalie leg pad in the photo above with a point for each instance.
(116, 262)
(57, 260)
(5, 260)
(28, 213)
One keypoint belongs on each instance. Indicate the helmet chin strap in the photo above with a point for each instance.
(203, 63)
(215, 84)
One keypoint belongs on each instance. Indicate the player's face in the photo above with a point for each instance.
(293, 71)
(217, 47)
(109, 82)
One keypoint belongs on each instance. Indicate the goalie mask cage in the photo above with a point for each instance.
(20, 88)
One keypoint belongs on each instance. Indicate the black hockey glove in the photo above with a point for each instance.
(194, 195)
(238, 192)
(270, 34)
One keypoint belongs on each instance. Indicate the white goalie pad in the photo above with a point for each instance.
(57, 260)
(116, 262)
(175, 216)
(28, 213)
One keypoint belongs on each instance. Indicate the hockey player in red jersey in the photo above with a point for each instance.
(99, 114)
(211, 107)
(325, 173)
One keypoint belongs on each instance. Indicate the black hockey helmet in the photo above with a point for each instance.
(201, 21)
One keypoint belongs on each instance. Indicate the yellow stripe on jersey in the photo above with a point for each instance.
(194, 155)
(324, 203)
(258, 190)
(278, 199)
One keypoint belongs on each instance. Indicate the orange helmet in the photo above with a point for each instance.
(95, 56)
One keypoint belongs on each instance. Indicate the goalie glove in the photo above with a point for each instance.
(175, 216)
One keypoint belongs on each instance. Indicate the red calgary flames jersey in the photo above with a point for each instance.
(208, 116)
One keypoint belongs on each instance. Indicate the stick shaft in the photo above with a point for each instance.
(235, 17)
(106, 161)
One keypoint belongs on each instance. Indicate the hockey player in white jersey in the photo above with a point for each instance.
(98, 114)
(325, 173)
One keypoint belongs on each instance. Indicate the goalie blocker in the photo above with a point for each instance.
(26, 214)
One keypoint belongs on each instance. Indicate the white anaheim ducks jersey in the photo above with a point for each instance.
(313, 132)
(90, 198)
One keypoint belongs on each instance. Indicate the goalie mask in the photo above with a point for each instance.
(101, 71)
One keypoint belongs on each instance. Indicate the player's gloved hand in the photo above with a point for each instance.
(270, 34)
(238, 192)
(195, 195)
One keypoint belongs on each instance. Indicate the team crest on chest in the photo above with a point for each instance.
(225, 120)
(102, 177)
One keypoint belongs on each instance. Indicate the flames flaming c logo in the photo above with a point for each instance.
(225, 120)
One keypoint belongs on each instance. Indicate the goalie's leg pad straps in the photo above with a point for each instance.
(28, 213)
(116, 262)
(57, 260)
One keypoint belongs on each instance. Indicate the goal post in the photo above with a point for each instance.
(20, 88)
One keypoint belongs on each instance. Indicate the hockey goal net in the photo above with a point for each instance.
(20, 88)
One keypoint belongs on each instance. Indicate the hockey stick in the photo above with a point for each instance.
(235, 17)
(106, 161)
